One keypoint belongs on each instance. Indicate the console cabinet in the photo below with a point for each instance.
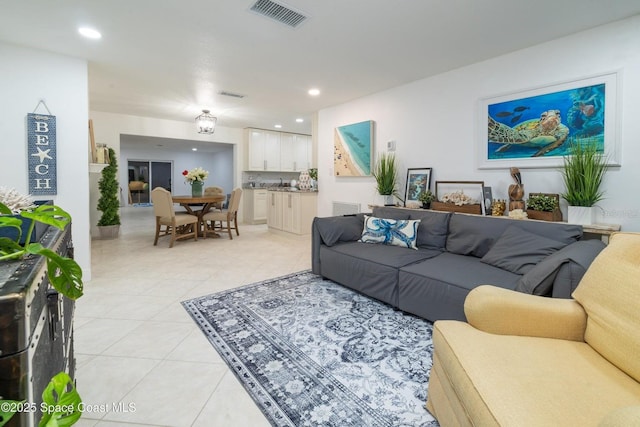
(36, 328)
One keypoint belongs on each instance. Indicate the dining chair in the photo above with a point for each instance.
(215, 190)
(229, 216)
(167, 216)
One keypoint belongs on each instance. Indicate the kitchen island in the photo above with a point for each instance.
(291, 211)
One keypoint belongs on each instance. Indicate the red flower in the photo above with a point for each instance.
(185, 172)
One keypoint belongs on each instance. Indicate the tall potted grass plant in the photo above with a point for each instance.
(583, 174)
(386, 175)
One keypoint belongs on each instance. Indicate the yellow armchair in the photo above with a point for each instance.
(523, 360)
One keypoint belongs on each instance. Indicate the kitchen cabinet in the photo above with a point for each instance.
(292, 211)
(263, 150)
(302, 152)
(255, 205)
(274, 210)
(277, 151)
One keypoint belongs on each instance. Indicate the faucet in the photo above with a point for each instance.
(281, 184)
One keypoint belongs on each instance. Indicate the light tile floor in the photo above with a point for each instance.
(141, 360)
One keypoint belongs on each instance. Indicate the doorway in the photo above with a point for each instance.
(144, 175)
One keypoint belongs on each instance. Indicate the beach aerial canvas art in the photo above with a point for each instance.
(353, 145)
(536, 128)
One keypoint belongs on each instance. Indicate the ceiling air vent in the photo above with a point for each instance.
(231, 94)
(278, 12)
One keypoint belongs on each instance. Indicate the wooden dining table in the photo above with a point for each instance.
(198, 205)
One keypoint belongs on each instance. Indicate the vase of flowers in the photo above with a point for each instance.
(195, 177)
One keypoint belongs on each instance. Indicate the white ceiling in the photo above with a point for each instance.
(169, 59)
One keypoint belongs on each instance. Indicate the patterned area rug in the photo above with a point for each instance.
(311, 352)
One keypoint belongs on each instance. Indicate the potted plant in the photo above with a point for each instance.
(108, 204)
(583, 173)
(65, 275)
(386, 174)
(313, 174)
(545, 207)
(426, 197)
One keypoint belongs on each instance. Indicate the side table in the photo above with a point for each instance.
(601, 230)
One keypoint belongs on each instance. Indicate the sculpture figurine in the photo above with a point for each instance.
(516, 191)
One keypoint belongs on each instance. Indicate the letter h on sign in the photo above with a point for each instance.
(41, 149)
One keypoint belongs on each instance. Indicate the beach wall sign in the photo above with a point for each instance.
(353, 146)
(42, 154)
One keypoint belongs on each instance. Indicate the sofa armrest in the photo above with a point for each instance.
(505, 312)
(331, 230)
(316, 241)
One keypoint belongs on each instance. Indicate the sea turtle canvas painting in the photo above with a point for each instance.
(541, 125)
(536, 128)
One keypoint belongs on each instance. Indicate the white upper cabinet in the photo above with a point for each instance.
(302, 153)
(287, 152)
(277, 151)
(263, 150)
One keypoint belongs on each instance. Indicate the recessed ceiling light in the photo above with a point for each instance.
(277, 126)
(314, 92)
(89, 33)
(299, 120)
(194, 149)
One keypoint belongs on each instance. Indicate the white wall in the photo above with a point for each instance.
(435, 121)
(109, 126)
(26, 77)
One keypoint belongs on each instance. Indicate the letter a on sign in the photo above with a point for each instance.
(42, 154)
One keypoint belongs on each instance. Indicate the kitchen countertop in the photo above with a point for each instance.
(278, 188)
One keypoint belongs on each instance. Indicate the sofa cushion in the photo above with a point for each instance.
(609, 293)
(401, 232)
(391, 256)
(540, 279)
(391, 212)
(433, 229)
(514, 380)
(340, 228)
(476, 234)
(518, 251)
(370, 269)
(437, 287)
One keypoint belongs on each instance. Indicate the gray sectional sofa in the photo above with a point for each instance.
(455, 253)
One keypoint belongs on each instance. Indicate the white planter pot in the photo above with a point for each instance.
(389, 200)
(580, 215)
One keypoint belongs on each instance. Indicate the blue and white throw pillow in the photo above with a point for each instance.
(397, 232)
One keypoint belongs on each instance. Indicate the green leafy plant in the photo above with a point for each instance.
(61, 401)
(583, 173)
(541, 202)
(426, 197)
(108, 203)
(65, 275)
(313, 173)
(386, 174)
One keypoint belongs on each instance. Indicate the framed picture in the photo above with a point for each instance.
(353, 147)
(536, 127)
(418, 182)
(488, 200)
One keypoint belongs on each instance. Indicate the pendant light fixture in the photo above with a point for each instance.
(206, 123)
